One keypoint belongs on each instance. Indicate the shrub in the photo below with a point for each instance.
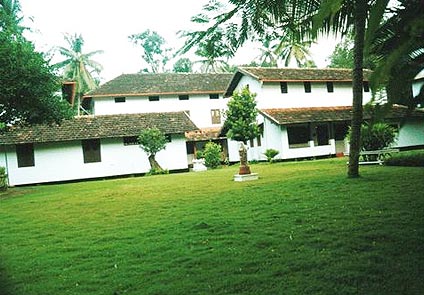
(375, 136)
(212, 155)
(199, 154)
(270, 154)
(412, 158)
(3, 179)
(157, 172)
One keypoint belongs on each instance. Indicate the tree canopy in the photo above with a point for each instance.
(27, 80)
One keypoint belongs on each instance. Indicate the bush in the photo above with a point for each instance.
(212, 155)
(412, 159)
(270, 154)
(199, 154)
(157, 172)
(3, 179)
(375, 136)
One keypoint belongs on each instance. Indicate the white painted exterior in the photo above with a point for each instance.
(198, 106)
(411, 133)
(63, 161)
(269, 96)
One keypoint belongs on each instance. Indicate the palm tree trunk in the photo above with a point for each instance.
(360, 11)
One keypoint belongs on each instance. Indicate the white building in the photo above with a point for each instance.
(303, 113)
(306, 112)
(91, 147)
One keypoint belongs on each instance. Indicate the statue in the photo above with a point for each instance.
(244, 165)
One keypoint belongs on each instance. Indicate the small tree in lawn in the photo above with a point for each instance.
(241, 124)
(152, 141)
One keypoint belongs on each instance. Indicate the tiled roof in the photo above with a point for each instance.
(164, 83)
(303, 74)
(292, 75)
(90, 127)
(329, 114)
(204, 134)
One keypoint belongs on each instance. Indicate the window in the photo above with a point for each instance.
(307, 86)
(216, 116)
(252, 143)
(258, 139)
(130, 140)
(154, 98)
(120, 99)
(183, 97)
(87, 106)
(91, 150)
(298, 136)
(322, 135)
(214, 96)
(283, 86)
(168, 137)
(366, 86)
(25, 155)
(330, 87)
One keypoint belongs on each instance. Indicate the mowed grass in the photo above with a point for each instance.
(302, 228)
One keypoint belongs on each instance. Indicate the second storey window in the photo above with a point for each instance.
(283, 87)
(91, 150)
(25, 155)
(216, 116)
(154, 98)
(307, 86)
(120, 99)
(183, 97)
(330, 87)
(214, 96)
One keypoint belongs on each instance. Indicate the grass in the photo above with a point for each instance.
(302, 228)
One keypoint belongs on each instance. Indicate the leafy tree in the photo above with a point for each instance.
(155, 55)
(183, 65)
(342, 56)
(212, 155)
(28, 84)
(152, 141)
(10, 18)
(292, 47)
(268, 57)
(398, 48)
(78, 66)
(240, 123)
(306, 18)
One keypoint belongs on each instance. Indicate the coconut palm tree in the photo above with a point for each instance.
(267, 57)
(307, 18)
(292, 47)
(78, 66)
(9, 16)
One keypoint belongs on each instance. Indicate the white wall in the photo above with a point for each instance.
(64, 161)
(411, 133)
(199, 106)
(269, 94)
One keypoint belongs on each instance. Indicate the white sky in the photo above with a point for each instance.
(106, 25)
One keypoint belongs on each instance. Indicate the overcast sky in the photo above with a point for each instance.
(106, 25)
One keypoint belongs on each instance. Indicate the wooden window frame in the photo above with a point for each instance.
(91, 149)
(25, 155)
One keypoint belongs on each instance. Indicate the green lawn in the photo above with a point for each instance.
(302, 228)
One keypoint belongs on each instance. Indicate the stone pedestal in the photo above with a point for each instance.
(199, 165)
(246, 177)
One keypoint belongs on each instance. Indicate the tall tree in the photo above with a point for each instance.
(292, 47)
(183, 65)
(78, 66)
(28, 85)
(240, 123)
(154, 52)
(267, 57)
(308, 17)
(342, 56)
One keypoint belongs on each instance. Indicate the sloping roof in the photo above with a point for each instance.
(204, 134)
(90, 127)
(293, 75)
(164, 83)
(329, 114)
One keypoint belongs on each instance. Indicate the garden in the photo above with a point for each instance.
(302, 228)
